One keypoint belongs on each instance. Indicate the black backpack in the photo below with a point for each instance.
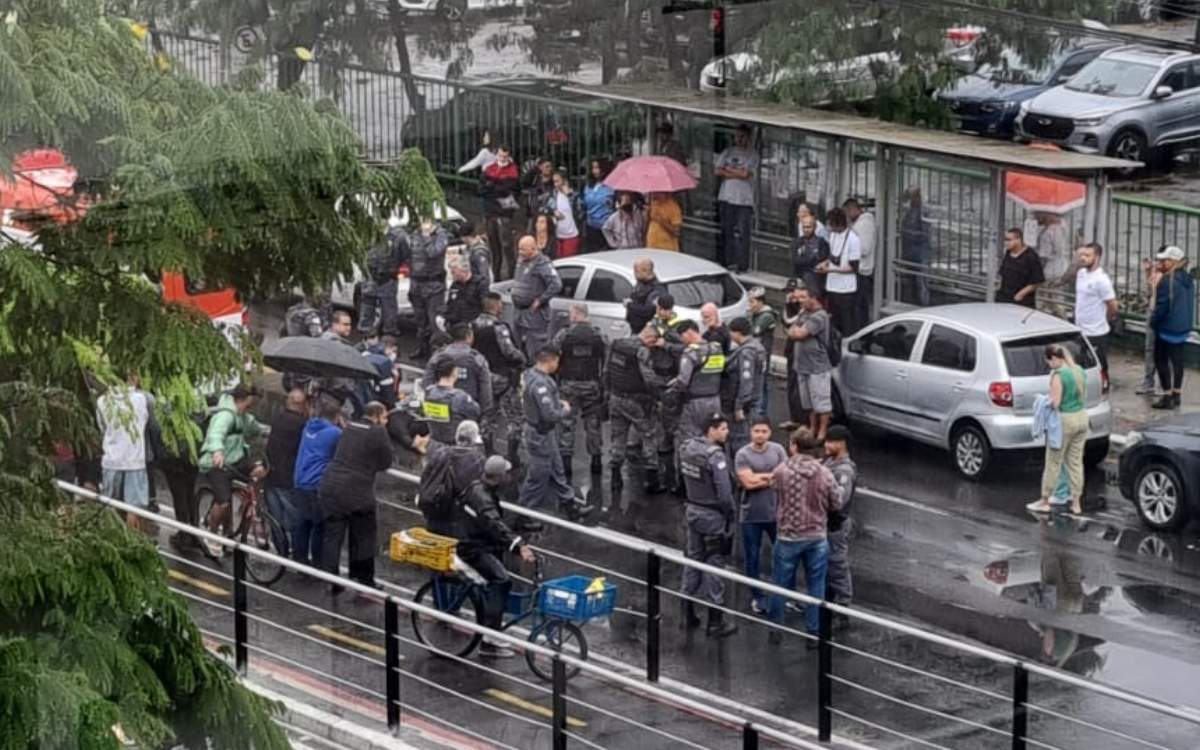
(446, 476)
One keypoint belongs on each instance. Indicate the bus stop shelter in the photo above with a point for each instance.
(941, 200)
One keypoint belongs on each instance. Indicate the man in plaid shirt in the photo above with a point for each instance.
(805, 494)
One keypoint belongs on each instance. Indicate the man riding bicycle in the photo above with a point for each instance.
(483, 538)
(225, 454)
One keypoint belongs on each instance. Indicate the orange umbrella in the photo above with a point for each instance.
(1038, 193)
(42, 184)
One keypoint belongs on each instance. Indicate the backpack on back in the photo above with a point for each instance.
(447, 475)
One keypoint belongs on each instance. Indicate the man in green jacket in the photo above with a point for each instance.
(225, 453)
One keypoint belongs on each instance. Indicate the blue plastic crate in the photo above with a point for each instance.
(518, 602)
(568, 598)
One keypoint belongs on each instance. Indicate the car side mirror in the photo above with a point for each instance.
(854, 346)
(1162, 92)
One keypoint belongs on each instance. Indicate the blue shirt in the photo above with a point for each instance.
(317, 446)
(598, 202)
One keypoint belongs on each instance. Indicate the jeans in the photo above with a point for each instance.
(279, 503)
(307, 527)
(752, 535)
(813, 554)
(734, 246)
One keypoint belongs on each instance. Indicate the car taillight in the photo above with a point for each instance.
(1001, 393)
(1104, 384)
(961, 37)
(402, 271)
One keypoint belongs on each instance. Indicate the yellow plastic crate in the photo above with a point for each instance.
(420, 547)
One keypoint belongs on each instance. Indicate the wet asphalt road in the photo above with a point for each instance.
(1098, 597)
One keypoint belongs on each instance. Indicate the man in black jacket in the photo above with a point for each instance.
(282, 447)
(465, 301)
(483, 538)
(640, 307)
(348, 495)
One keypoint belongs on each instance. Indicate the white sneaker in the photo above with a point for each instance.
(214, 548)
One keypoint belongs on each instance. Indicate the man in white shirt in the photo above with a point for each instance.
(842, 273)
(862, 224)
(122, 414)
(735, 200)
(1095, 301)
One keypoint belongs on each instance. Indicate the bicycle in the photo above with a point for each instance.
(256, 527)
(557, 607)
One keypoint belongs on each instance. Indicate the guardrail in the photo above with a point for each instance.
(749, 732)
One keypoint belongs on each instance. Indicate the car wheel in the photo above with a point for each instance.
(1158, 496)
(1129, 145)
(971, 450)
(452, 10)
(1095, 453)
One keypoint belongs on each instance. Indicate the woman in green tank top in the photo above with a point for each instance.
(1068, 395)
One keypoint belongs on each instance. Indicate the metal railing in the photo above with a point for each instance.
(743, 729)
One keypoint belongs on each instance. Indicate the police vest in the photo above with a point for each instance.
(664, 365)
(694, 456)
(438, 411)
(487, 343)
(624, 372)
(468, 373)
(426, 266)
(582, 354)
(665, 326)
(710, 365)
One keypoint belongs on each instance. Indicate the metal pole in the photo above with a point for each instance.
(241, 653)
(391, 648)
(997, 241)
(558, 703)
(653, 614)
(824, 672)
(749, 737)
(1020, 696)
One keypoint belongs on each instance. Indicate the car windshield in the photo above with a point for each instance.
(1112, 77)
(695, 291)
(1013, 69)
(1025, 357)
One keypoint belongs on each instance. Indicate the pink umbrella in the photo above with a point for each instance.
(650, 174)
(1038, 193)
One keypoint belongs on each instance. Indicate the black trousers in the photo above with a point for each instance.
(181, 481)
(843, 310)
(489, 565)
(866, 298)
(362, 527)
(1100, 344)
(1168, 359)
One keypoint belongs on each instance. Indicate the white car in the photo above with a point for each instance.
(605, 280)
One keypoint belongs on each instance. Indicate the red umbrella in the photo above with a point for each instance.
(42, 184)
(650, 174)
(1038, 193)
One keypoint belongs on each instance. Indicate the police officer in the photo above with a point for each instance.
(640, 307)
(302, 319)
(377, 300)
(659, 365)
(475, 250)
(427, 292)
(543, 411)
(465, 300)
(494, 340)
(474, 375)
(665, 321)
(631, 406)
(763, 321)
(445, 405)
(699, 379)
(710, 519)
(748, 370)
(535, 284)
(581, 362)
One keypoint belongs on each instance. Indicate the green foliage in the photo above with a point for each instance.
(232, 186)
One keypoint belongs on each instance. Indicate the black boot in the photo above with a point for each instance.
(690, 618)
(567, 469)
(616, 480)
(577, 510)
(597, 465)
(1166, 401)
(653, 485)
(717, 627)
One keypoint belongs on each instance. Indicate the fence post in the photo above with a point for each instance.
(240, 652)
(653, 614)
(1020, 696)
(749, 737)
(558, 703)
(824, 672)
(391, 648)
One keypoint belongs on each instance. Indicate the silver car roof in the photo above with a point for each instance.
(1141, 53)
(1000, 321)
(668, 265)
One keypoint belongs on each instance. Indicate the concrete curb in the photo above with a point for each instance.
(325, 726)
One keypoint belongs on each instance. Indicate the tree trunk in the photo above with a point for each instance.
(416, 100)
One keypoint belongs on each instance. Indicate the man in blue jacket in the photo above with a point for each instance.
(1172, 321)
(318, 443)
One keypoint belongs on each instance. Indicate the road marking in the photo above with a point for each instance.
(335, 635)
(529, 706)
(204, 586)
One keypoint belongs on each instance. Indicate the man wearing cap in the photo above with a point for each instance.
(839, 587)
(1172, 320)
(710, 518)
(640, 308)
(483, 539)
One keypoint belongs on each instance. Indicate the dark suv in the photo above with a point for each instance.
(1160, 471)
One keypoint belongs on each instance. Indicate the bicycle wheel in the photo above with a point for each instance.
(462, 600)
(562, 636)
(260, 530)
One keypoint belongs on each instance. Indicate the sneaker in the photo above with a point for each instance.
(214, 549)
(1145, 390)
(788, 426)
(757, 608)
(496, 651)
(182, 542)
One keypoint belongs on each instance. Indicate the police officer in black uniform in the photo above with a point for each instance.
(581, 361)
(640, 307)
(446, 406)
(465, 300)
(474, 375)
(710, 515)
(632, 407)
(659, 364)
(495, 341)
(427, 292)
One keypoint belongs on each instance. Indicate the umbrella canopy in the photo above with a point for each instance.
(1038, 193)
(42, 184)
(650, 174)
(318, 358)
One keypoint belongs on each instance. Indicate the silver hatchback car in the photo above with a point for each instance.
(964, 377)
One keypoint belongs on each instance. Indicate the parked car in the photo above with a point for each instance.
(451, 10)
(964, 377)
(1159, 471)
(966, 45)
(1134, 102)
(987, 101)
(605, 280)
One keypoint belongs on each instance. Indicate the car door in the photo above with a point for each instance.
(876, 371)
(605, 295)
(572, 275)
(942, 376)
(1175, 116)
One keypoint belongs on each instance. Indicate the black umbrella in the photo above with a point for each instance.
(318, 358)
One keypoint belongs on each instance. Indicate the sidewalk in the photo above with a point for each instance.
(1131, 410)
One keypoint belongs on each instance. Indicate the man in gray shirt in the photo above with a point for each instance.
(754, 465)
(735, 200)
(809, 337)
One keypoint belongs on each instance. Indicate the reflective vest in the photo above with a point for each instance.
(706, 377)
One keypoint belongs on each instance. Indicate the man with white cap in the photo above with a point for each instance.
(1172, 319)
(483, 538)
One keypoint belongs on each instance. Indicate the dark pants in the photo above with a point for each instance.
(866, 299)
(500, 240)
(428, 300)
(1100, 344)
(181, 480)
(843, 309)
(1168, 359)
(487, 564)
(279, 503)
(594, 241)
(307, 528)
(388, 307)
(752, 536)
(362, 528)
(734, 247)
